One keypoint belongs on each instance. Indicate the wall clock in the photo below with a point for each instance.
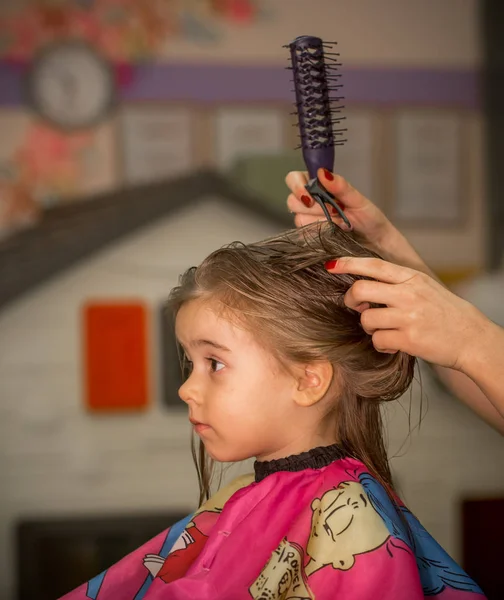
(71, 85)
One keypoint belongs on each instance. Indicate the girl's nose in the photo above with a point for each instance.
(187, 392)
(182, 392)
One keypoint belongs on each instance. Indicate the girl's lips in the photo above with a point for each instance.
(200, 427)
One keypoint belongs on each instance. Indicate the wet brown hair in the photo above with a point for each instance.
(280, 288)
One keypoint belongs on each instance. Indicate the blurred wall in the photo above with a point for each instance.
(208, 78)
(56, 459)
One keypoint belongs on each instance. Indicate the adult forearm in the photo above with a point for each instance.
(481, 385)
(468, 392)
(483, 362)
(478, 380)
(394, 247)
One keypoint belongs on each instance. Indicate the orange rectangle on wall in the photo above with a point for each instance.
(115, 356)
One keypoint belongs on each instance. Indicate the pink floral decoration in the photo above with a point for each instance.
(242, 11)
(49, 159)
(124, 30)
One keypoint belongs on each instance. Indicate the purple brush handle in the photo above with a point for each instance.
(317, 158)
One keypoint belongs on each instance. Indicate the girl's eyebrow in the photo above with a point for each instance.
(197, 343)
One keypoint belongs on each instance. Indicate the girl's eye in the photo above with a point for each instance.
(215, 365)
(187, 367)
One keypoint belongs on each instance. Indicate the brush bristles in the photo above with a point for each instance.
(316, 86)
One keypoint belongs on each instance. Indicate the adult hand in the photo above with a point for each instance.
(371, 226)
(421, 317)
(366, 218)
(424, 319)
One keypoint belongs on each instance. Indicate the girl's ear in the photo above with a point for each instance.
(313, 381)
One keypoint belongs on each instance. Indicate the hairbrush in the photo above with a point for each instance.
(316, 82)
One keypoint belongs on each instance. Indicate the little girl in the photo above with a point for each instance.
(280, 370)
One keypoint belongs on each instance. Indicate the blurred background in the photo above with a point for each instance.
(138, 136)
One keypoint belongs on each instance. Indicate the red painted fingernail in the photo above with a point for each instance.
(335, 210)
(330, 264)
(307, 201)
(328, 175)
(362, 307)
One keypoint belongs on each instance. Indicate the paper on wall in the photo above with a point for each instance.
(428, 163)
(247, 131)
(354, 160)
(156, 142)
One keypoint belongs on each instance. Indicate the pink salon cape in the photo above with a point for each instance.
(318, 533)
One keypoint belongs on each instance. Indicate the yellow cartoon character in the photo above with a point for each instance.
(344, 524)
(282, 578)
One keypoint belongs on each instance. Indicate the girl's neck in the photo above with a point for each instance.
(299, 445)
(315, 458)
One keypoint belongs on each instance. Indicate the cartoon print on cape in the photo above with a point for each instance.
(96, 587)
(182, 544)
(356, 517)
(437, 569)
(167, 556)
(190, 544)
(185, 550)
(344, 524)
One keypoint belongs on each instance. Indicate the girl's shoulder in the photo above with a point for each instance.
(331, 476)
(216, 502)
(339, 526)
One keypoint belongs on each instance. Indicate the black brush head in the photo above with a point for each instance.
(316, 85)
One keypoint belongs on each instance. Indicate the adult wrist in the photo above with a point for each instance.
(480, 337)
(394, 247)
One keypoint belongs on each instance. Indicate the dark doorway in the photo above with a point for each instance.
(482, 538)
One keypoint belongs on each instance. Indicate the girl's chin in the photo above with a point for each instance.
(225, 455)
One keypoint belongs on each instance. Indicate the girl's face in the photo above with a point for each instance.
(239, 398)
